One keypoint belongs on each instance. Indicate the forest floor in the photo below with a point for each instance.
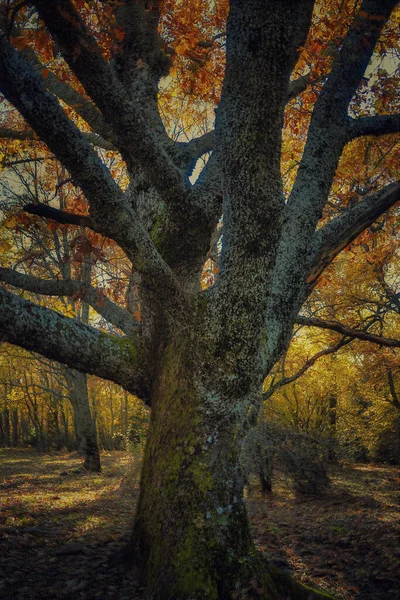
(59, 528)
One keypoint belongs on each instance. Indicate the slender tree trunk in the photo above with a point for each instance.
(6, 427)
(126, 414)
(2, 431)
(56, 422)
(265, 481)
(332, 455)
(24, 428)
(84, 425)
(15, 423)
(111, 404)
(65, 430)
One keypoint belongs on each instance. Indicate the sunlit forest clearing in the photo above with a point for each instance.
(199, 299)
(60, 529)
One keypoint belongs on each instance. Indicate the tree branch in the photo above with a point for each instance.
(81, 105)
(198, 146)
(61, 216)
(135, 140)
(95, 298)
(307, 365)
(331, 239)
(348, 331)
(141, 41)
(191, 151)
(392, 388)
(12, 134)
(325, 144)
(297, 86)
(28, 134)
(376, 125)
(84, 108)
(79, 346)
(24, 88)
(110, 210)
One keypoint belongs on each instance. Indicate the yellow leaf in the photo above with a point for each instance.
(5, 246)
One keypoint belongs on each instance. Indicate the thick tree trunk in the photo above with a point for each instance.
(191, 536)
(84, 425)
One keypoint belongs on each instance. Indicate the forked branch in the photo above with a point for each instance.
(79, 346)
(97, 299)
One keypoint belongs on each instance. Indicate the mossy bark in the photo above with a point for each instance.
(191, 536)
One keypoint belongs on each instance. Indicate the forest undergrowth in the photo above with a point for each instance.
(60, 529)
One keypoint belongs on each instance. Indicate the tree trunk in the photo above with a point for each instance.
(265, 482)
(65, 435)
(24, 429)
(2, 433)
(56, 423)
(15, 423)
(85, 429)
(6, 427)
(191, 536)
(332, 454)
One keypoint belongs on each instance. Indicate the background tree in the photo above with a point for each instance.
(199, 356)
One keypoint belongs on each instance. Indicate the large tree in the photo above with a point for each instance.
(198, 355)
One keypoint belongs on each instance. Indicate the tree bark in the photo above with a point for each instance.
(191, 536)
(14, 422)
(84, 425)
(332, 417)
(6, 427)
(2, 433)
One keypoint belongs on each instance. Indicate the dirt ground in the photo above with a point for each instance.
(59, 528)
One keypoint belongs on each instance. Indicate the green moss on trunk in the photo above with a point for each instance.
(191, 536)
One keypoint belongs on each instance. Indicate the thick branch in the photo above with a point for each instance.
(129, 123)
(377, 125)
(110, 211)
(195, 148)
(198, 146)
(61, 216)
(337, 234)
(77, 345)
(79, 289)
(327, 133)
(24, 88)
(348, 331)
(81, 105)
(141, 41)
(249, 135)
(28, 134)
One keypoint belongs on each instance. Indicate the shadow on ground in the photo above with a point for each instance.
(59, 529)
